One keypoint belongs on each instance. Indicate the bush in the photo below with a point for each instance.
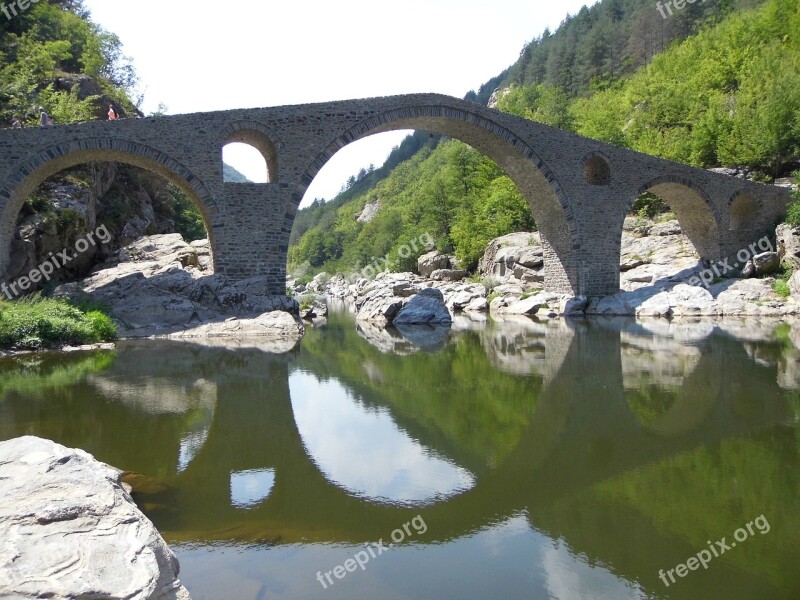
(781, 287)
(793, 215)
(648, 205)
(36, 323)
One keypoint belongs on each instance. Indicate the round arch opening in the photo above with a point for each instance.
(744, 211)
(537, 186)
(670, 227)
(43, 168)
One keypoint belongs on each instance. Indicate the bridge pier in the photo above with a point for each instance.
(251, 232)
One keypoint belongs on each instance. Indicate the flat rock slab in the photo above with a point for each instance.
(69, 530)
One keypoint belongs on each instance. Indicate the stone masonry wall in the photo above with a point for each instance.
(580, 214)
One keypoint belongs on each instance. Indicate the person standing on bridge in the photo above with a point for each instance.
(17, 124)
(112, 113)
(44, 119)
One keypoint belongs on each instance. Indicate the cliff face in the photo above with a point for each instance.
(117, 203)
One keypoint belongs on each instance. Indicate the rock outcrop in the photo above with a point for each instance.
(72, 205)
(788, 238)
(516, 257)
(162, 286)
(69, 529)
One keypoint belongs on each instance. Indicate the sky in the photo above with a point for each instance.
(195, 55)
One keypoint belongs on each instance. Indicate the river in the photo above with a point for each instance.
(561, 460)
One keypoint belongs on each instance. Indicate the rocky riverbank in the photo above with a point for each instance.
(659, 275)
(161, 286)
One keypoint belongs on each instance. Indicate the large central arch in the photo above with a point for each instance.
(536, 182)
(28, 176)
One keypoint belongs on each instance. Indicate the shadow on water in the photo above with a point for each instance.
(630, 445)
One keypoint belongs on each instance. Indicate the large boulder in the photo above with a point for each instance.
(504, 254)
(789, 244)
(69, 530)
(448, 275)
(426, 308)
(766, 263)
(433, 261)
(794, 284)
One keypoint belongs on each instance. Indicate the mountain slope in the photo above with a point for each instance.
(417, 198)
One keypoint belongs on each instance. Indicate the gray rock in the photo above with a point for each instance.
(477, 305)
(794, 284)
(503, 254)
(69, 530)
(669, 228)
(379, 305)
(789, 244)
(448, 275)
(370, 210)
(405, 289)
(427, 307)
(767, 263)
(573, 306)
(528, 306)
(460, 299)
(628, 263)
(158, 291)
(432, 261)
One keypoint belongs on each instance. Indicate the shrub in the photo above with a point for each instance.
(35, 323)
(793, 215)
(781, 287)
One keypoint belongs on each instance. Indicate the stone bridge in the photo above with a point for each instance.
(579, 190)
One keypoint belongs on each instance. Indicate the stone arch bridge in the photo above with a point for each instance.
(579, 190)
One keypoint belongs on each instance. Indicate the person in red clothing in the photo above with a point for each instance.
(112, 113)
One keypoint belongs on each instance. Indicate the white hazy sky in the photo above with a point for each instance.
(195, 55)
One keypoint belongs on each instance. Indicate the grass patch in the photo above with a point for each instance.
(38, 323)
(781, 285)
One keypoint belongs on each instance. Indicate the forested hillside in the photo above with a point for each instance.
(53, 55)
(713, 84)
(728, 96)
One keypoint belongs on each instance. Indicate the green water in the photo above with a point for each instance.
(508, 460)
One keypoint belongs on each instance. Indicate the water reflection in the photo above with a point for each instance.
(363, 450)
(559, 459)
(250, 488)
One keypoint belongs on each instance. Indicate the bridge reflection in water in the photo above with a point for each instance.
(563, 459)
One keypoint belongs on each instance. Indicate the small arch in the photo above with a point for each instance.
(696, 213)
(744, 210)
(261, 139)
(596, 169)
